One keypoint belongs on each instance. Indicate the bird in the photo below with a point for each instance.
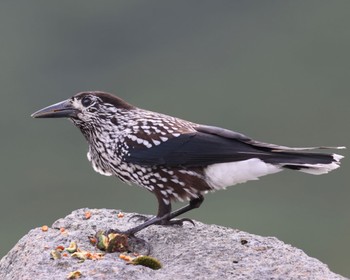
(175, 159)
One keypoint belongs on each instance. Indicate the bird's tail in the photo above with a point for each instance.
(312, 163)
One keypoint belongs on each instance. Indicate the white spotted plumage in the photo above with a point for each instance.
(113, 164)
(112, 131)
(173, 158)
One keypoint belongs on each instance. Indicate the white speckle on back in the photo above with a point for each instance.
(147, 144)
(156, 142)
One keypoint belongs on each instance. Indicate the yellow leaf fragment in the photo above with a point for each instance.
(72, 247)
(79, 255)
(74, 275)
(55, 254)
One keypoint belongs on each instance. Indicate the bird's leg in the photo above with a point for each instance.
(164, 216)
(163, 209)
(194, 203)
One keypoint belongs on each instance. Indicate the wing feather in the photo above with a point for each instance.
(235, 135)
(210, 145)
(195, 149)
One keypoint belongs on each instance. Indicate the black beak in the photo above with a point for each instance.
(62, 109)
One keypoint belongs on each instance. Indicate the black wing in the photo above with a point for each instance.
(196, 149)
(210, 145)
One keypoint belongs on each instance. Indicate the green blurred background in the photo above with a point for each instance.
(278, 71)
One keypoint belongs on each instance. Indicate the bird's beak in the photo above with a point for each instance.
(62, 109)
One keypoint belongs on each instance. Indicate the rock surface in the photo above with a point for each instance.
(200, 252)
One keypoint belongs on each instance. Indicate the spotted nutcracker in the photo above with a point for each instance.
(173, 158)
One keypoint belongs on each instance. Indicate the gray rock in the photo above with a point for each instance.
(200, 252)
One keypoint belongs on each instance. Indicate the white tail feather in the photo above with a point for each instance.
(318, 169)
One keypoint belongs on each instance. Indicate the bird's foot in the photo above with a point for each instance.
(168, 218)
(139, 218)
(163, 221)
(178, 222)
(121, 241)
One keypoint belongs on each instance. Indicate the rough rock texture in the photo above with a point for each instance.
(200, 252)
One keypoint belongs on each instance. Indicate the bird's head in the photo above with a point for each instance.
(85, 108)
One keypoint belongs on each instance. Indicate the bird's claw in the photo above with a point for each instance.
(139, 218)
(178, 222)
(164, 222)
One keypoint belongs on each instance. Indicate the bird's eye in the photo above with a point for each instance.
(86, 101)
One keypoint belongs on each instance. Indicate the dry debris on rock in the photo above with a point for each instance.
(200, 252)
